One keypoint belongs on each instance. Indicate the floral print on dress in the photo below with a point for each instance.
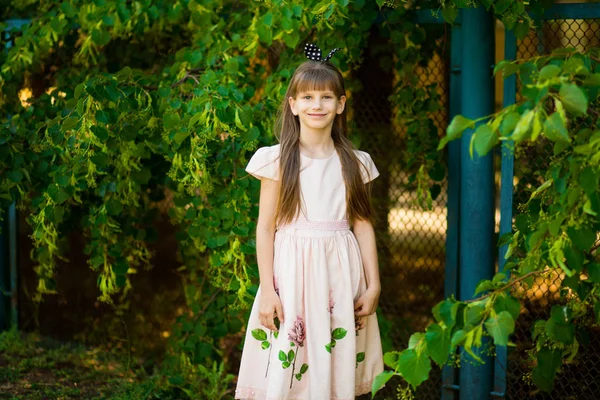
(336, 334)
(296, 336)
(331, 302)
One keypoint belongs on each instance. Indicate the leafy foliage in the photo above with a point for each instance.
(556, 229)
(117, 111)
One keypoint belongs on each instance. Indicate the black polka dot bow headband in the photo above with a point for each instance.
(314, 53)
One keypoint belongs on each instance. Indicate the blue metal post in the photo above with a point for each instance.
(9, 315)
(477, 184)
(506, 202)
(453, 207)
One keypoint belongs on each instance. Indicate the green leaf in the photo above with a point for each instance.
(360, 357)
(414, 366)
(487, 3)
(594, 272)
(380, 380)
(438, 343)
(521, 29)
(298, 376)
(548, 362)
(415, 339)
(67, 8)
(588, 180)
(259, 334)
(304, 368)
(267, 19)
(509, 123)
(445, 311)
(564, 333)
(291, 355)
(181, 136)
(285, 365)
(456, 129)
(69, 123)
(449, 12)
(171, 120)
(505, 302)
(484, 285)
(473, 314)
(265, 345)
(507, 68)
(100, 132)
(16, 176)
(573, 98)
(549, 71)
(555, 129)
(282, 356)
(500, 6)
(500, 326)
(328, 347)
(582, 238)
(142, 176)
(574, 258)
(523, 126)
(57, 194)
(338, 333)
(485, 139)
(100, 37)
(391, 359)
(100, 159)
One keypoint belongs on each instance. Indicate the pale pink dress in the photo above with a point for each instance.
(321, 351)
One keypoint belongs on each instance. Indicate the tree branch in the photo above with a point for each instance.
(512, 283)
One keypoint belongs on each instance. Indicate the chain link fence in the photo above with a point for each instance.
(410, 240)
(577, 379)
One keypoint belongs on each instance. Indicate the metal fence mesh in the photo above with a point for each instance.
(410, 241)
(576, 380)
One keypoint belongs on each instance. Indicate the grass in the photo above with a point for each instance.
(36, 368)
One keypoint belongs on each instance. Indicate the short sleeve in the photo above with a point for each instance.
(368, 169)
(265, 163)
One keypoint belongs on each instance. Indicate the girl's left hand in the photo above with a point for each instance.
(367, 303)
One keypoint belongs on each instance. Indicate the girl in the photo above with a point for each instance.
(313, 332)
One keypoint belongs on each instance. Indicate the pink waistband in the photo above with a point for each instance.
(333, 225)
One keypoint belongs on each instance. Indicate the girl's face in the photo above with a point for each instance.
(317, 109)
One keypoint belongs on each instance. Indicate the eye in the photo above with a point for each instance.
(306, 97)
(327, 97)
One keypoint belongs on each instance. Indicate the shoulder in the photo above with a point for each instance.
(271, 151)
(368, 169)
(263, 162)
(363, 156)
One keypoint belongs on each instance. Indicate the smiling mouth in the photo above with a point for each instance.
(317, 115)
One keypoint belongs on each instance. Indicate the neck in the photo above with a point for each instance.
(317, 144)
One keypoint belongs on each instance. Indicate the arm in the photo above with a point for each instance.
(365, 236)
(265, 238)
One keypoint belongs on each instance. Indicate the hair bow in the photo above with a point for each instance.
(312, 52)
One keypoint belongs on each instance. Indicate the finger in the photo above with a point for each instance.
(361, 313)
(358, 304)
(279, 311)
(270, 324)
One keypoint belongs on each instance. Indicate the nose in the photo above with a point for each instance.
(317, 103)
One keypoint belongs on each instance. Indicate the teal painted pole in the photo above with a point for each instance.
(506, 203)
(451, 275)
(9, 296)
(477, 184)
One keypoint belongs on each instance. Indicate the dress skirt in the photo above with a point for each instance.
(321, 351)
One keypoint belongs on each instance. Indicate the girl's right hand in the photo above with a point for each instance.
(269, 308)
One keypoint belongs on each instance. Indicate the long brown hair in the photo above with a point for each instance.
(309, 76)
